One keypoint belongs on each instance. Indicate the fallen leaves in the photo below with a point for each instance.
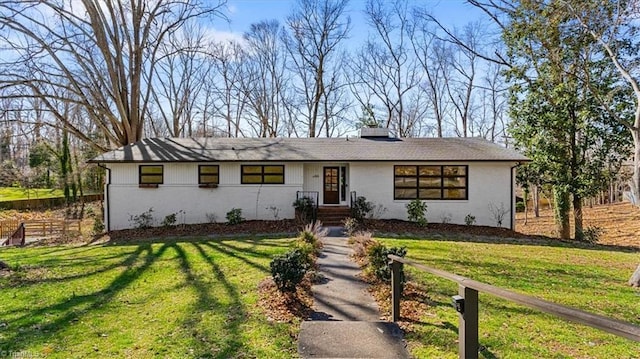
(285, 307)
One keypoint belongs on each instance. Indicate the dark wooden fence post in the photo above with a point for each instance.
(396, 288)
(468, 344)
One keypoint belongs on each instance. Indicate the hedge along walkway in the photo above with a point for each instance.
(346, 320)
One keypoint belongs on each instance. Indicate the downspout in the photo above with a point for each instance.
(513, 196)
(107, 213)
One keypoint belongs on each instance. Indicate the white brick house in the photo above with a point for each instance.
(204, 178)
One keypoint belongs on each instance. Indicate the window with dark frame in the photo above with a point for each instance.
(150, 175)
(208, 175)
(441, 182)
(262, 174)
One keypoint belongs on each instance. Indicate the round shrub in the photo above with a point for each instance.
(289, 269)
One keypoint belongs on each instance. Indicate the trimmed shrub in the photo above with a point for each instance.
(416, 212)
(143, 220)
(98, 225)
(289, 269)
(592, 234)
(378, 261)
(308, 250)
(304, 209)
(361, 208)
(469, 220)
(234, 216)
(169, 220)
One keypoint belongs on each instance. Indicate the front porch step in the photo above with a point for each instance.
(338, 339)
(333, 216)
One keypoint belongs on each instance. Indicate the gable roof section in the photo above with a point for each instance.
(212, 149)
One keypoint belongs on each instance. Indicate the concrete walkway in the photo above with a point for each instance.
(346, 320)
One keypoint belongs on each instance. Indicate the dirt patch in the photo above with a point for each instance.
(620, 222)
(415, 302)
(5, 270)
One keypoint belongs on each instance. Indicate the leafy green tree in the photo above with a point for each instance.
(9, 174)
(41, 160)
(368, 117)
(557, 121)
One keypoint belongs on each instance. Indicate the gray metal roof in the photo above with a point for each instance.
(214, 149)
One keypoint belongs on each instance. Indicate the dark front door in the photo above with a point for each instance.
(331, 185)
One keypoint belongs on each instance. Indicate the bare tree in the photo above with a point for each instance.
(384, 68)
(264, 82)
(99, 55)
(224, 93)
(460, 89)
(182, 69)
(492, 121)
(317, 28)
(433, 55)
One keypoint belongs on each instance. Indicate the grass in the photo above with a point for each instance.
(16, 193)
(142, 300)
(588, 279)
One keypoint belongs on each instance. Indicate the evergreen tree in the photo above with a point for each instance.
(555, 118)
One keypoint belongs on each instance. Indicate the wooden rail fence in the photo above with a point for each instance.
(466, 304)
(37, 203)
(40, 227)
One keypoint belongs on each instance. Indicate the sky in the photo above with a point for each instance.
(243, 13)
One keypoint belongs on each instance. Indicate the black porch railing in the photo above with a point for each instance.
(314, 197)
(353, 197)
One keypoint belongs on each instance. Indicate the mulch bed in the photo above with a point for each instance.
(209, 229)
(396, 226)
(415, 300)
(285, 307)
(481, 234)
(391, 227)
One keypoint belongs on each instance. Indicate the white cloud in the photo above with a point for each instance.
(213, 34)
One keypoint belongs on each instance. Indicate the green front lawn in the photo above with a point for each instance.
(172, 299)
(16, 193)
(588, 279)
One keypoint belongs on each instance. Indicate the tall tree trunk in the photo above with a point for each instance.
(634, 281)
(561, 199)
(635, 180)
(577, 217)
(536, 201)
(525, 198)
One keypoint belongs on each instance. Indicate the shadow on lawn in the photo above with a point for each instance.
(232, 251)
(564, 273)
(235, 309)
(73, 308)
(28, 328)
(524, 241)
